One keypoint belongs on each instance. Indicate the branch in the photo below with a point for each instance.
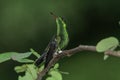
(71, 52)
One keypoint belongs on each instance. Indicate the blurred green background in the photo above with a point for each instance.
(26, 24)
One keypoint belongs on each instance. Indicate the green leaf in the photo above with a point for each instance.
(6, 56)
(107, 44)
(24, 60)
(63, 72)
(21, 78)
(34, 53)
(106, 57)
(15, 56)
(41, 68)
(33, 72)
(56, 75)
(56, 66)
(21, 55)
(26, 77)
(50, 78)
(19, 69)
(30, 72)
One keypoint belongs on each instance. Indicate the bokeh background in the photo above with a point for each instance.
(26, 24)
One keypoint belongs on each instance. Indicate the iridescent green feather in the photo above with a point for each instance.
(62, 35)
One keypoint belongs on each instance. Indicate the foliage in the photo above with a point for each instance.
(30, 70)
(28, 67)
(110, 43)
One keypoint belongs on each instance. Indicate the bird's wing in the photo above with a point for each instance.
(41, 59)
(52, 50)
(44, 54)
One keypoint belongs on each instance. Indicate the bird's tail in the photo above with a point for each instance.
(40, 60)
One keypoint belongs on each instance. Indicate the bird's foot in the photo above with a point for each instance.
(59, 51)
(56, 53)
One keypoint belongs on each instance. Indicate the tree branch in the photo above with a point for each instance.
(71, 52)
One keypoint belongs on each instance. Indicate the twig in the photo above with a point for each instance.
(71, 52)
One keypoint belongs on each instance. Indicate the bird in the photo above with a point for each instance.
(57, 43)
(48, 53)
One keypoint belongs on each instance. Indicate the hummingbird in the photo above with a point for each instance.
(57, 43)
(48, 53)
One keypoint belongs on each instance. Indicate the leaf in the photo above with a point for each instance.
(50, 78)
(19, 69)
(34, 53)
(30, 73)
(107, 43)
(6, 56)
(63, 72)
(41, 68)
(21, 78)
(106, 57)
(56, 75)
(56, 66)
(26, 77)
(33, 72)
(21, 55)
(15, 56)
(24, 60)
